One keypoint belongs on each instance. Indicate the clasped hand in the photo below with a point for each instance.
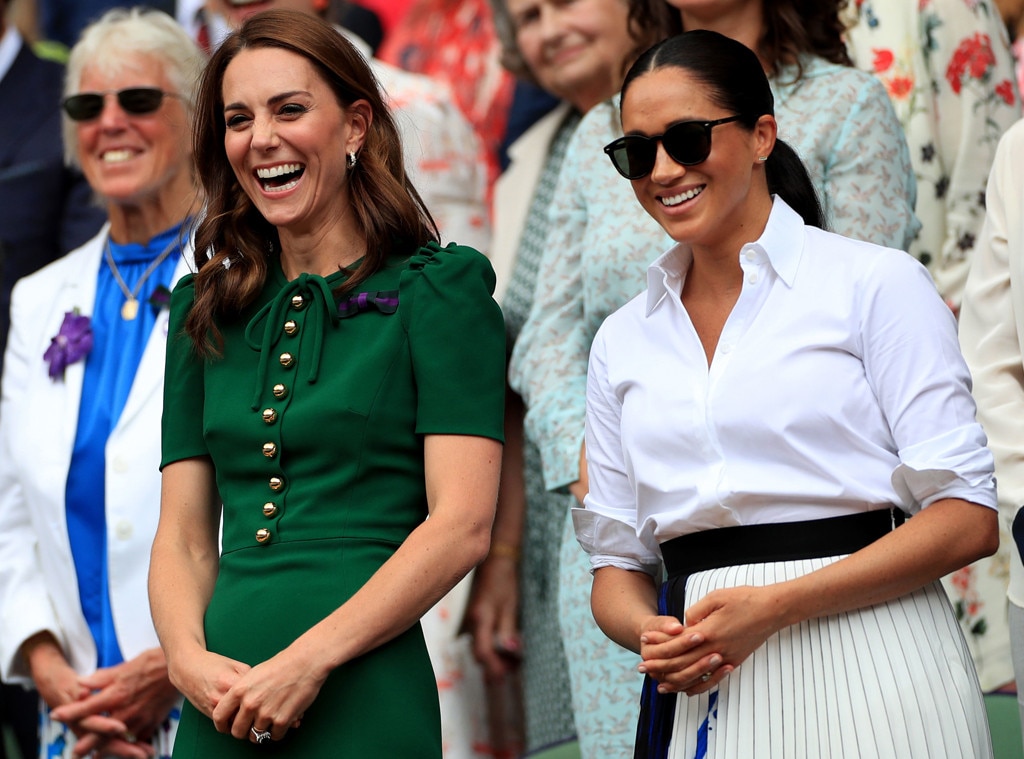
(111, 709)
(271, 696)
(723, 629)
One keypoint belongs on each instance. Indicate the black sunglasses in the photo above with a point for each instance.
(687, 143)
(86, 106)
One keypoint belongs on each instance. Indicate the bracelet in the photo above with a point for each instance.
(504, 551)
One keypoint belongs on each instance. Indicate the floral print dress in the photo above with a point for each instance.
(950, 74)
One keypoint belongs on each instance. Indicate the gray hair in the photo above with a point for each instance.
(123, 32)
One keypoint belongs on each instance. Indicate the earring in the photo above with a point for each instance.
(352, 159)
(762, 158)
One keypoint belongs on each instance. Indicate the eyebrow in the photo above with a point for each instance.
(272, 101)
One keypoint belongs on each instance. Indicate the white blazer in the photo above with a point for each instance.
(514, 189)
(992, 331)
(38, 423)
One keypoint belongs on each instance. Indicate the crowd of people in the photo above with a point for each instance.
(706, 467)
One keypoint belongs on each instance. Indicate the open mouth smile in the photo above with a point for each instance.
(280, 178)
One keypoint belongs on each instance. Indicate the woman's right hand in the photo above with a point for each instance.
(204, 677)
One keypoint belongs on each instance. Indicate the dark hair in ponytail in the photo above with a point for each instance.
(736, 82)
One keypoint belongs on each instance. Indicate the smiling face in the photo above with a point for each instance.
(714, 203)
(135, 159)
(576, 49)
(287, 138)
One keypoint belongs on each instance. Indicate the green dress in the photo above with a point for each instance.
(314, 417)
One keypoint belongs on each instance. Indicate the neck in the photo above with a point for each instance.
(140, 222)
(744, 24)
(321, 250)
(716, 263)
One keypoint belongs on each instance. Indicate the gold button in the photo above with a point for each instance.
(269, 415)
(276, 484)
(280, 391)
(290, 327)
(262, 535)
(269, 509)
(269, 450)
(286, 359)
(298, 302)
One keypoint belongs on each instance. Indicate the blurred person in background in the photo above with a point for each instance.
(579, 52)
(81, 403)
(948, 69)
(455, 41)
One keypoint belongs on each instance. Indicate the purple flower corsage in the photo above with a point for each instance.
(160, 299)
(385, 301)
(72, 343)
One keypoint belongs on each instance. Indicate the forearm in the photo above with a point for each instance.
(180, 586)
(431, 561)
(622, 601)
(943, 537)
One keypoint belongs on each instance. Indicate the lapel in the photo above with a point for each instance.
(149, 378)
(60, 400)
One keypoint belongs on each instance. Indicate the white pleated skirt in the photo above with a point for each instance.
(894, 680)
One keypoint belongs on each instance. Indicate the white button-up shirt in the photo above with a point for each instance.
(837, 386)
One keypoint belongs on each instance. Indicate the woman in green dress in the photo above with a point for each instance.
(333, 376)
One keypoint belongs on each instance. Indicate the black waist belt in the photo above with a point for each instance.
(782, 541)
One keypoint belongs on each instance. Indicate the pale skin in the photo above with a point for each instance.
(722, 629)
(112, 707)
(278, 110)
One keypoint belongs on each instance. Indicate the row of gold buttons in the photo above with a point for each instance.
(270, 416)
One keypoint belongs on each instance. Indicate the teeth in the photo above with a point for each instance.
(276, 171)
(116, 156)
(281, 188)
(683, 196)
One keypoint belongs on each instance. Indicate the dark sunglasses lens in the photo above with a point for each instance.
(136, 100)
(140, 99)
(633, 156)
(84, 106)
(688, 143)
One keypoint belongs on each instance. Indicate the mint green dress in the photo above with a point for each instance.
(314, 418)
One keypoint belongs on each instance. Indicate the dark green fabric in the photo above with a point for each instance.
(361, 393)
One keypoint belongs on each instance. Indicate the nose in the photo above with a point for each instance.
(113, 116)
(550, 24)
(666, 169)
(264, 136)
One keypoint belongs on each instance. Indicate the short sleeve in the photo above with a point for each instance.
(182, 424)
(457, 342)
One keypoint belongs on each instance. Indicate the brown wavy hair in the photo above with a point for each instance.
(233, 241)
(797, 27)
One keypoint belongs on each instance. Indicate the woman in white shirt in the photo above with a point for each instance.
(761, 419)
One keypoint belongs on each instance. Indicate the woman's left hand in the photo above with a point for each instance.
(732, 623)
(136, 693)
(271, 696)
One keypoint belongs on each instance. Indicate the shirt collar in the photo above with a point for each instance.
(782, 243)
(10, 44)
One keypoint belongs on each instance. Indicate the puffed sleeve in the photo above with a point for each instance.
(457, 342)
(606, 528)
(182, 425)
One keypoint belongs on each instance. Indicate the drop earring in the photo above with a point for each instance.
(352, 159)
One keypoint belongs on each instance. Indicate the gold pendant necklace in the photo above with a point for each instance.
(130, 307)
